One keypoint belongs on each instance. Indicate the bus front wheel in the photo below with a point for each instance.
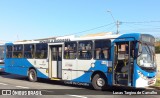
(99, 82)
(32, 75)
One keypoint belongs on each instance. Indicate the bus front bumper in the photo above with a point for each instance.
(140, 82)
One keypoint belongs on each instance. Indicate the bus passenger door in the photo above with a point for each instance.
(56, 61)
(123, 63)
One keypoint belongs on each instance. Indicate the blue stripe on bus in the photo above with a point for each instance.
(86, 77)
(20, 66)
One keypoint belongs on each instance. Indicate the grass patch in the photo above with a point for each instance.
(158, 79)
(157, 82)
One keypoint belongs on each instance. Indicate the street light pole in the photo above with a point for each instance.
(116, 22)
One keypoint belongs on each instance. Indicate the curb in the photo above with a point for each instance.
(155, 87)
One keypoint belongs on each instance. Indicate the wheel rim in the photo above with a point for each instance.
(32, 75)
(100, 82)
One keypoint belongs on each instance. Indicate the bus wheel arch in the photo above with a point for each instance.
(32, 74)
(99, 81)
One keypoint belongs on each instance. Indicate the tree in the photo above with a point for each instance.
(157, 49)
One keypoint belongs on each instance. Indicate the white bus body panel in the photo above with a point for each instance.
(40, 64)
(69, 69)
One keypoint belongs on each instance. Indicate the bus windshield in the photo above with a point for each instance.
(146, 58)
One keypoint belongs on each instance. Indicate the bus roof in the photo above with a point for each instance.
(102, 35)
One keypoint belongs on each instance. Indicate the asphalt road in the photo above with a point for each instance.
(58, 89)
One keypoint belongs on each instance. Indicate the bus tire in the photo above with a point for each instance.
(32, 75)
(99, 82)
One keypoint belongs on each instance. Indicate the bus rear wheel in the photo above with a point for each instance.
(32, 75)
(99, 82)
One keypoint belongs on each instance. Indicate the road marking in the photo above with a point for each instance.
(3, 84)
(22, 87)
(77, 96)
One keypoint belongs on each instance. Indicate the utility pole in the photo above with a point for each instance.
(117, 23)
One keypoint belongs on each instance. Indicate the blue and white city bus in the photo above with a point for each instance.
(108, 60)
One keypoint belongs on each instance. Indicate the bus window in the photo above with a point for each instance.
(29, 51)
(9, 52)
(102, 48)
(70, 50)
(17, 51)
(41, 51)
(85, 50)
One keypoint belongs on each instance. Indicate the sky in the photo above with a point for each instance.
(33, 19)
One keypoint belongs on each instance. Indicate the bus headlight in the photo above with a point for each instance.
(141, 75)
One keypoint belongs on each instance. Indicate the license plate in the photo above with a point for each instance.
(150, 82)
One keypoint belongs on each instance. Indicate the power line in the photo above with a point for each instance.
(143, 26)
(143, 22)
(91, 29)
(146, 25)
(109, 28)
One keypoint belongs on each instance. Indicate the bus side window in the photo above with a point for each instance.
(101, 55)
(41, 51)
(9, 51)
(70, 50)
(85, 50)
(29, 51)
(102, 48)
(18, 51)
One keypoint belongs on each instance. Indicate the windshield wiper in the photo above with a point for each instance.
(147, 50)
